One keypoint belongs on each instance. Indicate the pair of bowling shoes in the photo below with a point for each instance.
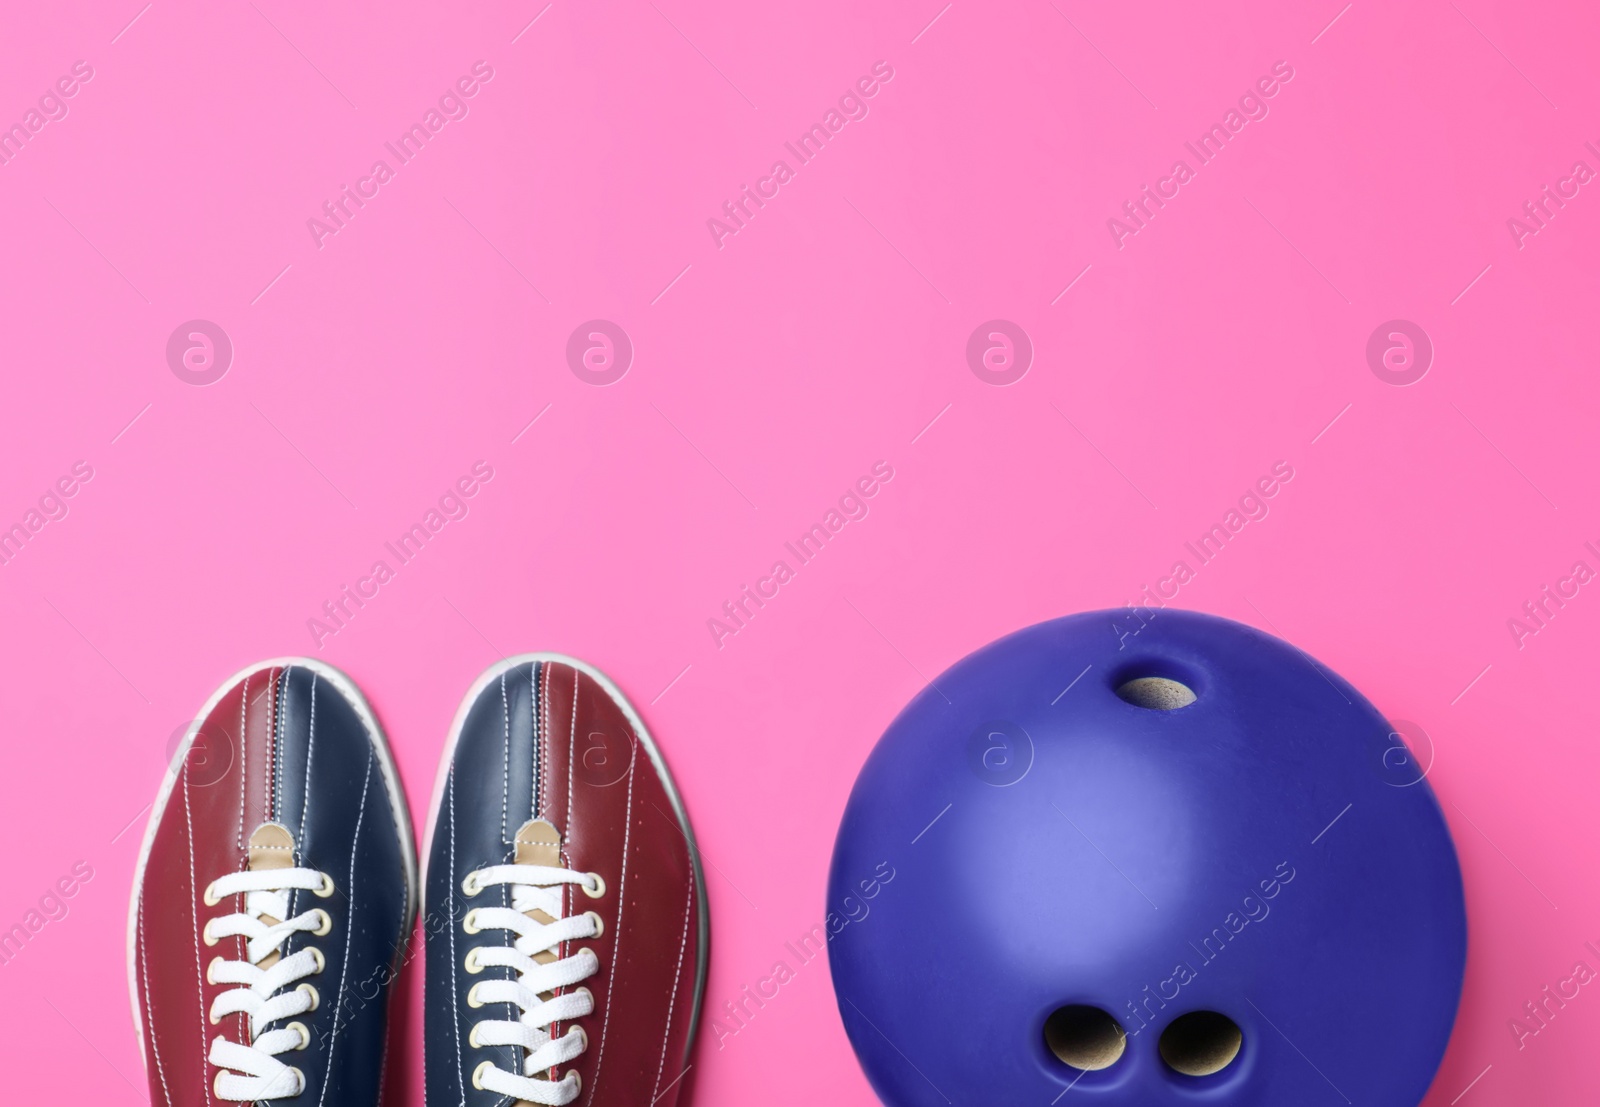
(564, 914)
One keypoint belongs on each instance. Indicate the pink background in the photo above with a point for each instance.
(372, 371)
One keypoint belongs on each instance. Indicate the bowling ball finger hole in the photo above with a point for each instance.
(1157, 693)
(1201, 1043)
(1084, 1037)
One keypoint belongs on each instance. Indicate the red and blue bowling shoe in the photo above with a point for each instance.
(566, 917)
(273, 895)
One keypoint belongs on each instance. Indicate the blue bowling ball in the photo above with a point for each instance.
(1153, 857)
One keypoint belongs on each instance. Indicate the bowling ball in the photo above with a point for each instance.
(1153, 857)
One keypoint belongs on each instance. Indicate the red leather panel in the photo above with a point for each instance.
(221, 795)
(602, 792)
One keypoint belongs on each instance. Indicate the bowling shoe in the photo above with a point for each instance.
(272, 897)
(565, 910)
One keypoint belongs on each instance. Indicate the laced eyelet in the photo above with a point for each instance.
(300, 1078)
(216, 1084)
(477, 1075)
(471, 963)
(470, 886)
(583, 1038)
(325, 889)
(305, 1035)
(595, 887)
(324, 923)
(311, 990)
(316, 955)
(472, 1037)
(211, 898)
(206, 934)
(577, 1081)
(580, 990)
(469, 921)
(599, 923)
(211, 968)
(472, 997)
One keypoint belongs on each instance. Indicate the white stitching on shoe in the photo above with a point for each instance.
(540, 797)
(505, 765)
(350, 920)
(311, 745)
(244, 701)
(572, 749)
(280, 703)
(272, 743)
(194, 909)
(455, 983)
(683, 944)
(149, 1006)
(616, 943)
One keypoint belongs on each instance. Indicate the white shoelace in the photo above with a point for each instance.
(257, 1073)
(533, 888)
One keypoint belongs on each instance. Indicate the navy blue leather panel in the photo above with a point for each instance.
(330, 793)
(491, 791)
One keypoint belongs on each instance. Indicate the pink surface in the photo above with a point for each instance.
(376, 362)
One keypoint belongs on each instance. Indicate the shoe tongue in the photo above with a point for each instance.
(539, 843)
(271, 847)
